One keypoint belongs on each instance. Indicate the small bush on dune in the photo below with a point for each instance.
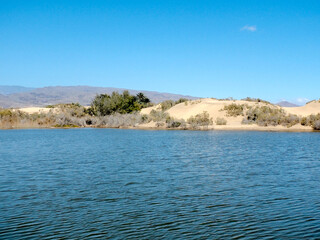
(264, 116)
(72, 109)
(120, 120)
(234, 110)
(290, 120)
(312, 120)
(316, 125)
(66, 120)
(167, 105)
(5, 113)
(200, 120)
(221, 121)
(315, 101)
(249, 99)
(158, 116)
(181, 100)
(268, 116)
(175, 123)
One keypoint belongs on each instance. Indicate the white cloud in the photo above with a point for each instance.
(249, 28)
(302, 101)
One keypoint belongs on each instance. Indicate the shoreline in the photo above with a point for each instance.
(235, 129)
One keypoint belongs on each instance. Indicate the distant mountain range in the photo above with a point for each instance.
(5, 90)
(17, 96)
(286, 104)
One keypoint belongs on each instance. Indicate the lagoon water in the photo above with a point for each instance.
(135, 184)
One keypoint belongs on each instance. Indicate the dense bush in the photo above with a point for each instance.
(221, 121)
(17, 119)
(175, 123)
(167, 104)
(105, 104)
(5, 113)
(249, 99)
(312, 120)
(200, 120)
(234, 110)
(73, 109)
(290, 120)
(143, 100)
(316, 125)
(158, 116)
(181, 100)
(266, 116)
(121, 120)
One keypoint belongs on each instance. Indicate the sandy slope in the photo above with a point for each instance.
(31, 110)
(310, 108)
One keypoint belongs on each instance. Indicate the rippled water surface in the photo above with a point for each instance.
(131, 184)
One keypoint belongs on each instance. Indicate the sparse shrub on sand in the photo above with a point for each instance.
(249, 99)
(316, 125)
(234, 110)
(181, 100)
(315, 101)
(269, 116)
(290, 120)
(312, 120)
(157, 116)
(226, 99)
(72, 109)
(200, 120)
(221, 121)
(160, 124)
(175, 123)
(120, 120)
(167, 105)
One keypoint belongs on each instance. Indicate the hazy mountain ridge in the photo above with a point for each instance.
(5, 90)
(67, 94)
(286, 104)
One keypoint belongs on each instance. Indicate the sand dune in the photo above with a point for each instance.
(31, 110)
(214, 108)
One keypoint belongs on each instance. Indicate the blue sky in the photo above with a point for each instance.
(267, 49)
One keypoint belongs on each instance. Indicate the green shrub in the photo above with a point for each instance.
(157, 116)
(249, 99)
(72, 109)
(290, 120)
(200, 120)
(234, 110)
(120, 120)
(6, 113)
(221, 121)
(266, 116)
(181, 100)
(316, 125)
(143, 100)
(167, 104)
(175, 123)
(105, 104)
(312, 120)
(50, 106)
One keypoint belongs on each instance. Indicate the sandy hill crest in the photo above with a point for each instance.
(214, 108)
